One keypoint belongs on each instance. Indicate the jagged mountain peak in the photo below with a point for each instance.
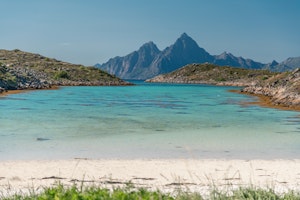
(273, 63)
(186, 48)
(185, 36)
(185, 41)
(148, 61)
(225, 55)
(150, 46)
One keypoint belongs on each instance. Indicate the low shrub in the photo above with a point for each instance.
(61, 74)
(61, 192)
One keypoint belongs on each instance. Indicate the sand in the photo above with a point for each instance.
(165, 175)
(9, 92)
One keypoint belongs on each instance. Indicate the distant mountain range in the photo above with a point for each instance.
(149, 61)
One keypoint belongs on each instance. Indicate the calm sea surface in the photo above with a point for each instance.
(144, 121)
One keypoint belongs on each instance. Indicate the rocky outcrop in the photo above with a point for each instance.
(213, 74)
(14, 78)
(23, 70)
(2, 90)
(282, 89)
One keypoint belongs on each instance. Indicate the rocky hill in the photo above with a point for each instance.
(23, 70)
(281, 88)
(149, 61)
(213, 74)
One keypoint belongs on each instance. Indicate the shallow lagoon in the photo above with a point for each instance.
(144, 121)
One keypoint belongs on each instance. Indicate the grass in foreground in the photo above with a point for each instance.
(60, 192)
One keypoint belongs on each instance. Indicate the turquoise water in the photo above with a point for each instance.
(144, 121)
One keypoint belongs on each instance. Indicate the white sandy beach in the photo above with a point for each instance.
(166, 175)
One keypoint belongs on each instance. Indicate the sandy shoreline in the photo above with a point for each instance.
(162, 174)
(9, 92)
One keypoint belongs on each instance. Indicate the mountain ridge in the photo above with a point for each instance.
(185, 50)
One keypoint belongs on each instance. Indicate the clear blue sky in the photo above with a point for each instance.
(91, 31)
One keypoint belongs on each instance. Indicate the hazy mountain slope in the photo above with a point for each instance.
(227, 59)
(148, 61)
(134, 64)
(288, 65)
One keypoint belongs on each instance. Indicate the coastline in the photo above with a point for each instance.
(265, 101)
(9, 92)
(167, 175)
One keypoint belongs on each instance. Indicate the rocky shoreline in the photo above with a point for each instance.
(280, 90)
(24, 71)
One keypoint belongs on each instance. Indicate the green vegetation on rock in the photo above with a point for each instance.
(23, 70)
(213, 74)
(7, 79)
(61, 74)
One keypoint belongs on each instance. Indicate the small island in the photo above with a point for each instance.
(279, 89)
(21, 70)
